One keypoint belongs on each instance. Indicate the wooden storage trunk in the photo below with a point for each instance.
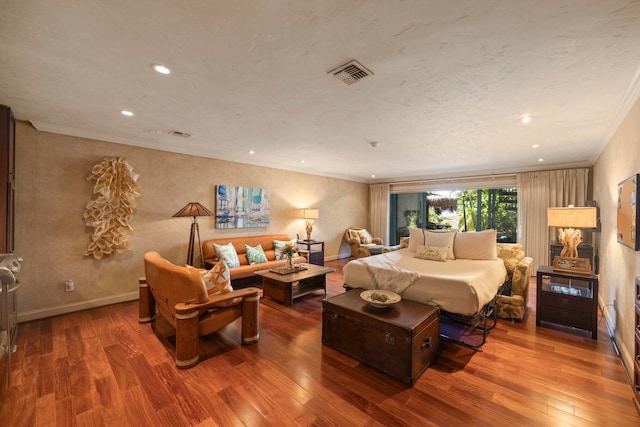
(401, 340)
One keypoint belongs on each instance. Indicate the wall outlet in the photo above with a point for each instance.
(69, 285)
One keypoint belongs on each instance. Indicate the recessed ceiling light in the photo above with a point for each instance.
(525, 119)
(301, 161)
(541, 160)
(252, 152)
(161, 69)
(126, 113)
(373, 176)
(535, 146)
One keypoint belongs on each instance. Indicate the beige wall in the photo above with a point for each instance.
(52, 191)
(619, 265)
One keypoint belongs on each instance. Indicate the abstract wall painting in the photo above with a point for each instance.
(241, 207)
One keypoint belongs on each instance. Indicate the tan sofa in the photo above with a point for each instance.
(513, 303)
(246, 270)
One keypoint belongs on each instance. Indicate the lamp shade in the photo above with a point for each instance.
(193, 209)
(310, 214)
(572, 217)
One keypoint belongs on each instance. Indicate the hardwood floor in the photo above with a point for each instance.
(101, 367)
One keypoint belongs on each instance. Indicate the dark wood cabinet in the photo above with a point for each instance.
(7, 178)
(316, 256)
(568, 299)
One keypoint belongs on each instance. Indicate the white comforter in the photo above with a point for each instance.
(458, 286)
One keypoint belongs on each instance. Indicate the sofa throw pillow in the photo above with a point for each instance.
(279, 244)
(441, 239)
(255, 255)
(416, 238)
(476, 245)
(218, 279)
(365, 237)
(432, 253)
(228, 254)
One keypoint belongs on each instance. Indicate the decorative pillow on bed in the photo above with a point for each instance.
(218, 279)
(255, 255)
(279, 244)
(433, 253)
(227, 253)
(441, 239)
(476, 245)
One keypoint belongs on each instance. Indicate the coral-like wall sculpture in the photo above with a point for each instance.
(110, 214)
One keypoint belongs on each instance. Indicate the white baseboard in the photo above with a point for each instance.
(620, 347)
(70, 308)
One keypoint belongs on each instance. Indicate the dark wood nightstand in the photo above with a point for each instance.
(316, 256)
(569, 299)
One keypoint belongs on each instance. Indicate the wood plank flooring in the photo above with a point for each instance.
(100, 367)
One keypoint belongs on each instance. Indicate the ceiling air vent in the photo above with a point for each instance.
(180, 134)
(351, 72)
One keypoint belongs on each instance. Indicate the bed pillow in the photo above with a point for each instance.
(416, 238)
(441, 239)
(227, 253)
(279, 244)
(476, 245)
(255, 255)
(432, 253)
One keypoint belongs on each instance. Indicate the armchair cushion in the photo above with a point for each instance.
(217, 280)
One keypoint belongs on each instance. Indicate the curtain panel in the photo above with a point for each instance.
(379, 211)
(538, 191)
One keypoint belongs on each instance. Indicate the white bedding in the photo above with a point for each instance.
(458, 286)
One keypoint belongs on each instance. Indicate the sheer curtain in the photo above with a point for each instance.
(379, 211)
(538, 191)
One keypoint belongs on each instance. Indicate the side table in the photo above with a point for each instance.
(316, 256)
(569, 299)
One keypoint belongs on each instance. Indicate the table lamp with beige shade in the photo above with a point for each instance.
(570, 221)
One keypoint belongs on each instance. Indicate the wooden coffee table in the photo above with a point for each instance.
(285, 288)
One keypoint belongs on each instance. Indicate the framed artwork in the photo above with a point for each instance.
(628, 212)
(241, 207)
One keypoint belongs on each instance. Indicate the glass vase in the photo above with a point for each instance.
(288, 262)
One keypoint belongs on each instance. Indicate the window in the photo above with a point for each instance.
(463, 210)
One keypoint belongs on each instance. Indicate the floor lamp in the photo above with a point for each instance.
(194, 209)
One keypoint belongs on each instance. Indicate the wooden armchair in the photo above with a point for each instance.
(361, 242)
(181, 297)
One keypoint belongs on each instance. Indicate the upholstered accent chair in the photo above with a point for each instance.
(512, 304)
(362, 243)
(179, 294)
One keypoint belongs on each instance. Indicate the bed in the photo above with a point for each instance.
(458, 272)
(460, 286)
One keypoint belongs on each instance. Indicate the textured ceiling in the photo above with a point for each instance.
(451, 79)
